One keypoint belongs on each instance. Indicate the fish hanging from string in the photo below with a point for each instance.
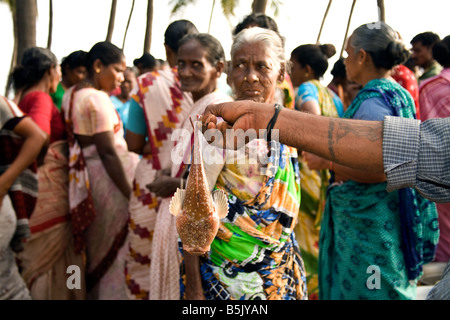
(198, 211)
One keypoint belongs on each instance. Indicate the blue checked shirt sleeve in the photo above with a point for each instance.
(417, 155)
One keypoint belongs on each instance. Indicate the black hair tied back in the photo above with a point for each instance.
(396, 53)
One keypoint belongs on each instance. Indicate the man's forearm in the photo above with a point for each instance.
(355, 143)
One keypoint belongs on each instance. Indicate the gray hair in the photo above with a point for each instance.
(272, 41)
(382, 43)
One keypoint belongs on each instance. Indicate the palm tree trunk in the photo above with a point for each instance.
(24, 23)
(128, 24)
(50, 25)
(381, 10)
(26, 11)
(112, 17)
(210, 17)
(259, 6)
(323, 21)
(348, 26)
(148, 29)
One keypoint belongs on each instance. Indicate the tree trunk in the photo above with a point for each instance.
(128, 24)
(26, 11)
(50, 25)
(348, 26)
(323, 21)
(259, 6)
(112, 18)
(24, 23)
(381, 11)
(148, 29)
(210, 17)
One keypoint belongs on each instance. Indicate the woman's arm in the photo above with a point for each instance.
(136, 143)
(105, 146)
(194, 289)
(34, 139)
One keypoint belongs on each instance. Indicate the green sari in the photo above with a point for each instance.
(373, 243)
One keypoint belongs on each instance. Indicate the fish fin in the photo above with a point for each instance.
(221, 202)
(177, 201)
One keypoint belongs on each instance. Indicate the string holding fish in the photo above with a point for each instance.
(198, 211)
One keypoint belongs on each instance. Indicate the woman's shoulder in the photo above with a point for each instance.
(36, 99)
(36, 96)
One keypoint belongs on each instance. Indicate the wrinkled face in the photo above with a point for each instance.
(75, 75)
(421, 55)
(55, 78)
(253, 74)
(197, 75)
(111, 76)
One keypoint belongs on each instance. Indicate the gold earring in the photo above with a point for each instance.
(97, 70)
(245, 78)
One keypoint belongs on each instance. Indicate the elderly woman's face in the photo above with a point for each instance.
(253, 75)
(197, 74)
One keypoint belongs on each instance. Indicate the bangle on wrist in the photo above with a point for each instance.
(272, 121)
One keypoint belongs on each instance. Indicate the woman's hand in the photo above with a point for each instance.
(164, 186)
(315, 162)
(193, 287)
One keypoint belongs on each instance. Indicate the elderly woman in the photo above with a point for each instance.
(373, 243)
(254, 254)
(200, 62)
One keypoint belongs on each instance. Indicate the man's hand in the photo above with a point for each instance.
(229, 123)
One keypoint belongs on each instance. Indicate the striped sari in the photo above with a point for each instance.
(373, 243)
(255, 254)
(165, 108)
(49, 250)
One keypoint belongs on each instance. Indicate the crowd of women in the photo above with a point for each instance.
(87, 173)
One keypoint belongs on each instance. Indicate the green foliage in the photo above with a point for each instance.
(11, 4)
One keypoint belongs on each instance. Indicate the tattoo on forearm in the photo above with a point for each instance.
(330, 139)
(371, 131)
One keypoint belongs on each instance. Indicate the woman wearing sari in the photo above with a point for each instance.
(200, 62)
(49, 250)
(100, 172)
(254, 254)
(158, 107)
(309, 63)
(373, 243)
(21, 141)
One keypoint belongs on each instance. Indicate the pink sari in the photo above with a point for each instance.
(99, 210)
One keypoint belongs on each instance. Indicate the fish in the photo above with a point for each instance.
(197, 210)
